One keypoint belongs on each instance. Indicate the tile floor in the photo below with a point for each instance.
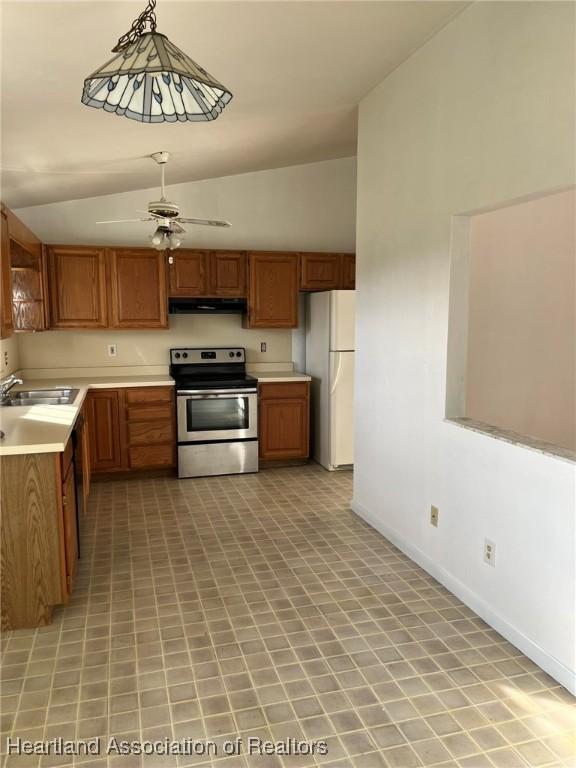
(260, 606)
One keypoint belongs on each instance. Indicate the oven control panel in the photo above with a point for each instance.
(207, 356)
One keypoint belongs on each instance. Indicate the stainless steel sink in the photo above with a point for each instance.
(56, 396)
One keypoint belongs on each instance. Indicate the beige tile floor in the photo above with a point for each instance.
(261, 606)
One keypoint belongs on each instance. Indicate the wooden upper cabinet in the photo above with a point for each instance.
(348, 269)
(320, 271)
(6, 323)
(138, 288)
(77, 287)
(199, 273)
(228, 274)
(273, 282)
(189, 273)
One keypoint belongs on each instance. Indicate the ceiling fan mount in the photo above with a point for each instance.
(163, 209)
(166, 215)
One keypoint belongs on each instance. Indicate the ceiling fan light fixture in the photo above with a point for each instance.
(174, 241)
(158, 238)
(151, 80)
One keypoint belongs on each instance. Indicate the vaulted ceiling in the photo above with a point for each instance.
(297, 71)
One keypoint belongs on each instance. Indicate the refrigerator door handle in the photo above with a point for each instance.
(338, 371)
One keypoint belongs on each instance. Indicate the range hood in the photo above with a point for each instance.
(207, 306)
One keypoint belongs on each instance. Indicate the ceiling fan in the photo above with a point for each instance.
(166, 215)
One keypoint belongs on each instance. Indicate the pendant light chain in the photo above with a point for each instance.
(138, 27)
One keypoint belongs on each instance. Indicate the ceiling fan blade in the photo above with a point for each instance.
(124, 221)
(175, 227)
(206, 222)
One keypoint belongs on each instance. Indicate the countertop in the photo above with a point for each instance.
(47, 428)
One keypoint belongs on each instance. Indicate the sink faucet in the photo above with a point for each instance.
(7, 384)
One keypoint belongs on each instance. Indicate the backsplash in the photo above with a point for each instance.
(9, 356)
(89, 349)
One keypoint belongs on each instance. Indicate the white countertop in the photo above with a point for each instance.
(47, 428)
(279, 376)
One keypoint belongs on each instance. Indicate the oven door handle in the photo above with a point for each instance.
(215, 393)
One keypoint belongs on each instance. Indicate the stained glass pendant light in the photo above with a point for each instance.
(151, 80)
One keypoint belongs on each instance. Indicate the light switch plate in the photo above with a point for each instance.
(434, 512)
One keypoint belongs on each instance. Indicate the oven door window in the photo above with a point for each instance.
(228, 413)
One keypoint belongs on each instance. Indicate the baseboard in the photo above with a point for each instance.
(534, 652)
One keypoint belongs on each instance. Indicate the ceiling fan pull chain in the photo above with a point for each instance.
(138, 27)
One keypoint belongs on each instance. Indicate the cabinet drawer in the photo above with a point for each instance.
(151, 456)
(160, 412)
(284, 389)
(149, 395)
(150, 433)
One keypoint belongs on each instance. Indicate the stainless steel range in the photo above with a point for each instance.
(216, 412)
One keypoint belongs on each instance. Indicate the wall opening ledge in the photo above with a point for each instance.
(508, 436)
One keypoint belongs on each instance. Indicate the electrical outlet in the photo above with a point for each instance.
(5, 358)
(112, 351)
(263, 346)
(490, 552)
(434, 516)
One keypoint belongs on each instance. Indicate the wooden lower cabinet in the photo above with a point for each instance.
(150, 433)
(105, 413)
(132, 428)
(284, 420)
(69, 526)
(39, 536)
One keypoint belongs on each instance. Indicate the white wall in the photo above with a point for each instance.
(305, 207)
(9, 355)
(88, 349)
(521, 372)
(482, 114)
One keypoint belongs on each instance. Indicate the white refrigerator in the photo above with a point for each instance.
(330, 331)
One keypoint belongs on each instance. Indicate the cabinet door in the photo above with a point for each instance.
(319, 271)
(70, 526)
(138, 288)
(6, 323)
(106, 425)
(273, 290)
(283, 429)
(83, 455)
(77, 287)
(228, 274)
(348, 280)
(189, 273)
